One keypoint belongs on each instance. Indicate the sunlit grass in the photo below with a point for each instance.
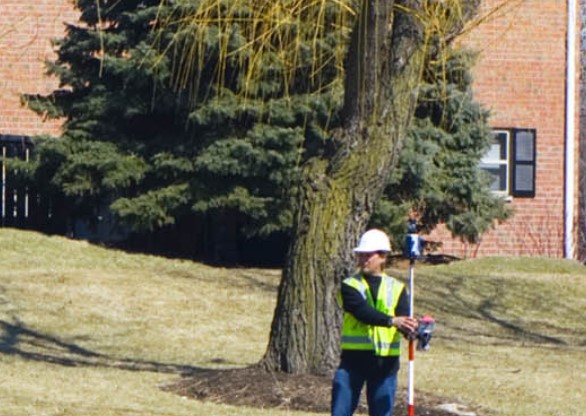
(510, 335)
(90, 331)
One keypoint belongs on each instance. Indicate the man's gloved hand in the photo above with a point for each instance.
(405, 325)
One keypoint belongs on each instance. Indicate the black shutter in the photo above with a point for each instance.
(523, 163)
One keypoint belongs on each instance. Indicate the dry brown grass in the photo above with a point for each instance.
(90, 331)
(511, 334)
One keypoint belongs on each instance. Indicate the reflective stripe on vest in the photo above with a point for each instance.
(384, 341)
(368, 343)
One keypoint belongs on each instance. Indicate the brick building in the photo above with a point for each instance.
(520, 76)
(26, 29)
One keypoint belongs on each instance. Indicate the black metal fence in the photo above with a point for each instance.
(20, 206)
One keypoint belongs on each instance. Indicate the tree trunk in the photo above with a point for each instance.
(337, 197)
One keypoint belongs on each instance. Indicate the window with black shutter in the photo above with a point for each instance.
(511, 162)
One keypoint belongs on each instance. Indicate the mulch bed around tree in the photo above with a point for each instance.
(255, 387)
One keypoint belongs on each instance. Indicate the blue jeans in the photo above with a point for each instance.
(347, 385)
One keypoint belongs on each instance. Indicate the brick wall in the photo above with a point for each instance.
(26, 29)
(520, 77)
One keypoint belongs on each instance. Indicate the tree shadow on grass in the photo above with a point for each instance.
(18, 340)
(250, 386)
(482, 304)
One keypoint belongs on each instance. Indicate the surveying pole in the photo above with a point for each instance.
(412, 250)
(411, 379)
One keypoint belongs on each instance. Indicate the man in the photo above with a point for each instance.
(376, 313)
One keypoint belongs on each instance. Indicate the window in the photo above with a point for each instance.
(496, 162)
(511, 162)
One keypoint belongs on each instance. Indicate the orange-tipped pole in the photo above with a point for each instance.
(411, 377)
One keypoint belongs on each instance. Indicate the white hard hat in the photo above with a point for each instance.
(373, 240)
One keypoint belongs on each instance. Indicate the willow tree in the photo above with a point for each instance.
(375, 55)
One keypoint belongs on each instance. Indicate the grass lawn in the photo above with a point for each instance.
(90, 331)
(511, 336)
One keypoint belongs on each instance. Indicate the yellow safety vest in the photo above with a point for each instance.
(384, 341)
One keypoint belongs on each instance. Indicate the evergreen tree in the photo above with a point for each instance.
(438, 174)
(176, 154)
(157, 153)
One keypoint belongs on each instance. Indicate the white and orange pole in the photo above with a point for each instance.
(411, 371)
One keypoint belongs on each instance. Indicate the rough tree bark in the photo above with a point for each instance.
(383, 68)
